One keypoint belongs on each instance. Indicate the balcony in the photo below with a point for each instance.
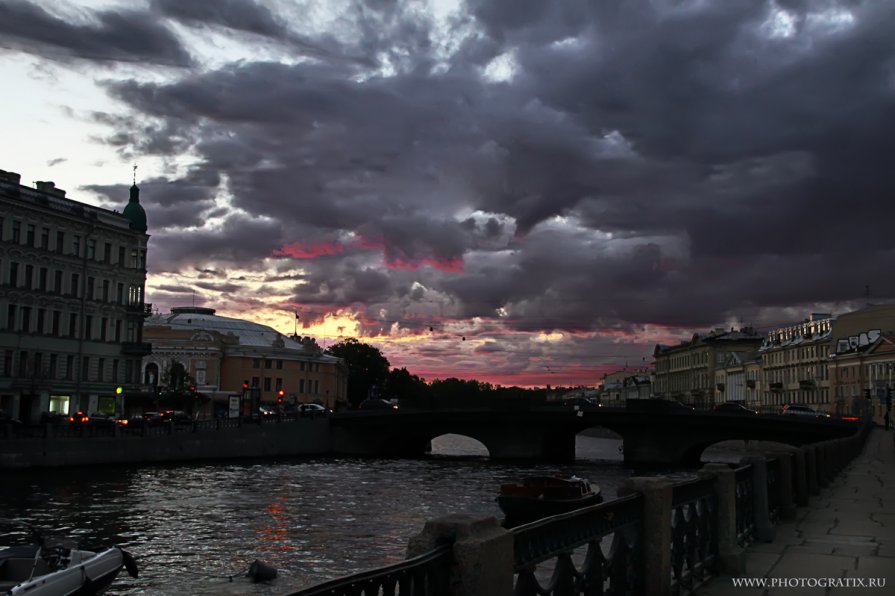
(777, 387)
(144, 310)
(807, 384)
(131, 348)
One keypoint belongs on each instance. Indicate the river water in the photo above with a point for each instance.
(193, 526)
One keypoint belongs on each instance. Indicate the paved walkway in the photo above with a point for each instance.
(847, 532)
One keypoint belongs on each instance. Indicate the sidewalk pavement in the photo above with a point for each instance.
(847, 531)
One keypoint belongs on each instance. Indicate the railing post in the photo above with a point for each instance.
(811, 469)
(731, 557)
(785, 465)
(820, 451)
(482, 555)
(800, 476)
(764, 531)
(656, 543)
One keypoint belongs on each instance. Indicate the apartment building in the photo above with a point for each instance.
(687, 371)
(72, 283)
(221, 353)
(794, 363)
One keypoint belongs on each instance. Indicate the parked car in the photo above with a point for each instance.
(734, 407)
(377, 404)
(267, 412)
(175, 416)
(580, 402)
(78, 418)
(100, 419)
(152, 418)
(803, 410)
(312, 410)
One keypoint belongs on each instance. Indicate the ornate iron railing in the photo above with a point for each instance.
(774, 490)
(745, 515)
(694, 534)
(556, 538)
(425, 575)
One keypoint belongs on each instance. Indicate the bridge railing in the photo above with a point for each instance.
(559, 541)
(659, 538)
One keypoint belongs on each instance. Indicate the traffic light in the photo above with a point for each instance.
(193, 392)
(280, 394)
(245, 385)
(118, 391)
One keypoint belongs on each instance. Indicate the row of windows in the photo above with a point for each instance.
(53, 366)
(31, 278)
(269, 363)
(805, 353)
(62, 242)
(305, 386)
(25, 319)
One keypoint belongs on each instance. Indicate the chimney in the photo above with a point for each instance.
(49, 188)
(13, 177)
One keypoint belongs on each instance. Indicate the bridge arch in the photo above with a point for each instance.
(458, 445)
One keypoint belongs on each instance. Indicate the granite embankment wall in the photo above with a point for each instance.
(299, 437)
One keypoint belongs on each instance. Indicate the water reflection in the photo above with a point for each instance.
(193, 526)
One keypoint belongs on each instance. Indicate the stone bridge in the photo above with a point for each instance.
(666, 438)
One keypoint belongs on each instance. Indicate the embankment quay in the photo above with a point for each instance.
(812, 517)
(651, 436)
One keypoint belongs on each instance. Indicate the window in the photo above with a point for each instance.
(29, 235)
(91, 283)
(72, 325)
(200, 376)
(11, 313)
(23, 363)
(115, 371)
(100, 369)
(69, 367)
(121, 256)
(42, 279)
(29, 277)
(85, 368)
(103, 323)
(256, 363)
(54, 362)
(41, 318)
(279, 365)
(301, 385)
(26, 319)
(107, 252)
(119, 294)
(255, 381)
(268, 363)
(7, 363)
(75, 285)
(279, 384)
(57, 315)
(13, 273)
(88, 327)
(91, 249)
(45, 238)
(57, 282)
(267, 383)
(76, 245)
(301, 365)
(16, 232)
(60, 241)
(105, 290)
(117, 331)
(38, 364)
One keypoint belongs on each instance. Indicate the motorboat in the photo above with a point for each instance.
(543, 496)
(39, 570)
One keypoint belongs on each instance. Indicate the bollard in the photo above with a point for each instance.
(482, 555)
(656, 521)
(731, 557)
(764, 530)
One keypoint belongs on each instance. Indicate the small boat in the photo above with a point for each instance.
(543, 496)
(37, 570)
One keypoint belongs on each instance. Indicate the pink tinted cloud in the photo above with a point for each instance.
(454, 265)
(301, 250)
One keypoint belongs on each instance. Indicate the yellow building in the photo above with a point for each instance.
(222, 353)
(794, 362)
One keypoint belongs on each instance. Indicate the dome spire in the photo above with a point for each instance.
(134, 211)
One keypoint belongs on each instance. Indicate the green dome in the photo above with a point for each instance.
(134, 211)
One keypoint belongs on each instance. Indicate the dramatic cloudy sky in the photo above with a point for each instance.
(519, 191)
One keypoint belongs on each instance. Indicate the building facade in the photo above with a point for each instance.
(687, 371)
(72, 285)
(222, 353)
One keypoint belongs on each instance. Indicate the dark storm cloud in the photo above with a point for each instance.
(109, 35)
(680, 163)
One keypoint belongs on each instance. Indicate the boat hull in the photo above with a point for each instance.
(521, 508)
(90, 576)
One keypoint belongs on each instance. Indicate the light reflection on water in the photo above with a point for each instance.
(192, 526)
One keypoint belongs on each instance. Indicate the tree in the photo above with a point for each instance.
(367, 367)
(176, 386)
(405, 386)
